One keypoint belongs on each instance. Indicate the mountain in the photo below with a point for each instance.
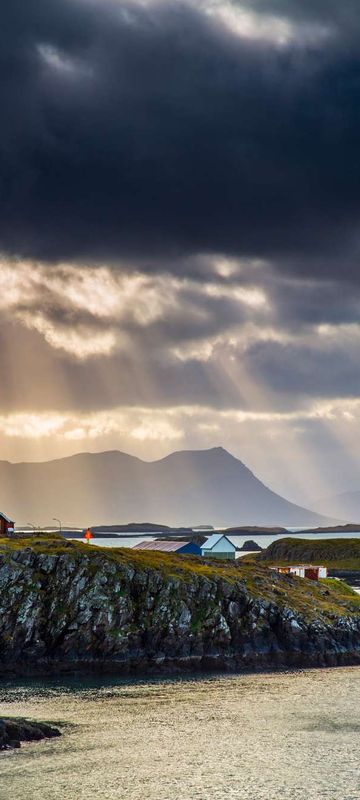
(113, 487)
(344, 506)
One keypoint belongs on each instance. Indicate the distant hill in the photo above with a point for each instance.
(343, 506)
(113, 487)
(132, 527)
(349, 527)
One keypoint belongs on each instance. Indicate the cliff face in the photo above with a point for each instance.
(65, 606)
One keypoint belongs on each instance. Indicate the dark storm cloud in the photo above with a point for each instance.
(153, 130)
(300, 304)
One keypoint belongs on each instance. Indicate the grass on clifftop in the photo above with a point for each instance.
(333, 553)
(326, 599)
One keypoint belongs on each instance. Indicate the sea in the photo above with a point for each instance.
(263, 539)
(281, 736)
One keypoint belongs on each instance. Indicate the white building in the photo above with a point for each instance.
(218, 546)
(313, 573)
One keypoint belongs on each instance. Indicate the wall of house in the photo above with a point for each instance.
(6, 527)
(300, 571)
(191, 549)
(223, 546)
(218, 554)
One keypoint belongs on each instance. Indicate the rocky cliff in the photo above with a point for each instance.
(65, 605)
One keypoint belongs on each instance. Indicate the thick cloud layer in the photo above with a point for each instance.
(160, 128)
(93, 338)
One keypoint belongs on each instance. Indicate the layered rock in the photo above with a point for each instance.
(67, 606)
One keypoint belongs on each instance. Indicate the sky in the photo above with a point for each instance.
(179, 233)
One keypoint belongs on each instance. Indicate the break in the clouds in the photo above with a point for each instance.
(179, 213)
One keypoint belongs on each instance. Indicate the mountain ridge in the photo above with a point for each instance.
(112, 486)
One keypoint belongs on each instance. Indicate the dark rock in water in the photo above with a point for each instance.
(75, 607)
(350, 576)
(250, 547)
(15, 731)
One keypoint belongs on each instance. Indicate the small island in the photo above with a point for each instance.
(349, 527)
(65, 606)
(14, 731)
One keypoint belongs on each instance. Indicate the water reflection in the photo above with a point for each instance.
(263, 737)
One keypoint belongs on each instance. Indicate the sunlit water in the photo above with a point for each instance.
(265, 737)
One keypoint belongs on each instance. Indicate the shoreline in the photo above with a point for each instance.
(84, 680)
(291, 661)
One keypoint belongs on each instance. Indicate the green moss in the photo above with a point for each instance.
(340, 587)
(199, 618)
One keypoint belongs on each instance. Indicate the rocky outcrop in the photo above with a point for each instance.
(250, 547)
(15, 731)
(66, 606)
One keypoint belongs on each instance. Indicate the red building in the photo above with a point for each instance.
(304, 571)
(6, 525)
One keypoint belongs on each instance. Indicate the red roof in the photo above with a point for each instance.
(165, 545)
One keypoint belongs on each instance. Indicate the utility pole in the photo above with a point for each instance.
(32, 526)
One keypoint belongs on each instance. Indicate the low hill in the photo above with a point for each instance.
(104, 488)
(259, 530)
(350, 527)
(132, 527)
(334, 553)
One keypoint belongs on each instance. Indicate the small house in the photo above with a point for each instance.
(6, 525)
(218, 546)
(170, 546)
(309, 571)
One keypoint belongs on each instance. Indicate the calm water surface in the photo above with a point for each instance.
(263, 540)
(264, 737)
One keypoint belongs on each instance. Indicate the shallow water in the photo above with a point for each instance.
(264, 737)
